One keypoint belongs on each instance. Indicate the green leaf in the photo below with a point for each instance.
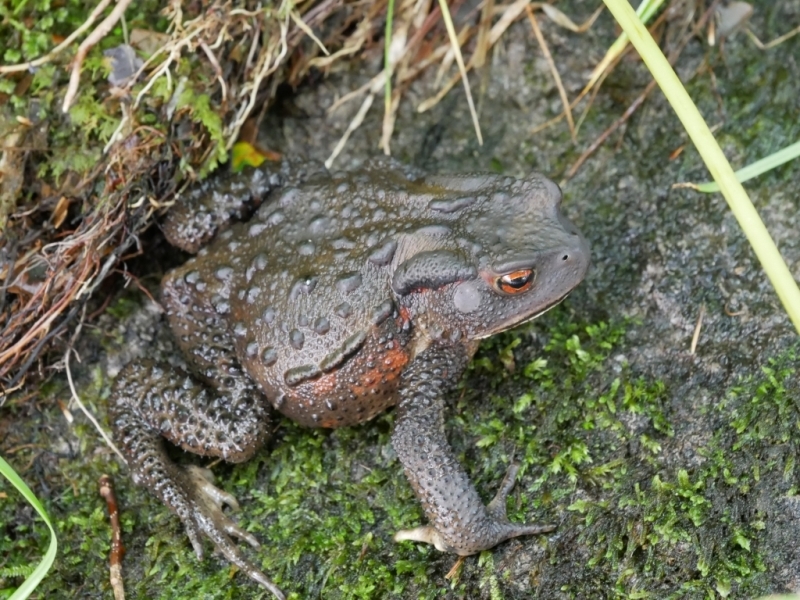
(29, 585)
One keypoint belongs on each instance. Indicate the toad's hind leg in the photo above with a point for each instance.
(151, 402)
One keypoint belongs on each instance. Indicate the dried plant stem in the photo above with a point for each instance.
(354, 124)
(773, 43)
(553, 70)
(698, 326)
(217, 69)
(510, 14)
(451, 32)
(298, 20)
(77, 399)
(265, 67)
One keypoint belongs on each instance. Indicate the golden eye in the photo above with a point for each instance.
(516, 282)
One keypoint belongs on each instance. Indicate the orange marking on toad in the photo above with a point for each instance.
(386, 371)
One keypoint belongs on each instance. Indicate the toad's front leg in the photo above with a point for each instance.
(458, 520)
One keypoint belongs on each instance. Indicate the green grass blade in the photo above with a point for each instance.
(767, 163)
(387, 65)
(29, 585)
(645, 12)
(749, 220)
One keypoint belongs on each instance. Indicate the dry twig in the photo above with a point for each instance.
(117, 548)
(77, 399)
(777, 41)
(455, 568)
(553, 70)
(698, 326)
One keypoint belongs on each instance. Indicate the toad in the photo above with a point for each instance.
(344, 295)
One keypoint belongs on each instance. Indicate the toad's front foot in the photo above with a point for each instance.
(198, 503)
(474, 533)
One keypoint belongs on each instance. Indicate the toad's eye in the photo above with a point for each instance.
(516, 282)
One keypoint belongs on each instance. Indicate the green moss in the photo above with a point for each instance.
(123, 306)
(198, 105)
(693, 507)
(763, 408)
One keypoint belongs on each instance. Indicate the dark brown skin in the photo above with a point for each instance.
(344, 295)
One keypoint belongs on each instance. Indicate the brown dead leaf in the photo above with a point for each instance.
(46, 190)
(12, 165)
(23, 84)
(60, 212)
(148, 41)
(562, 20)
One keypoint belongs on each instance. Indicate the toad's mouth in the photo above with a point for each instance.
(505, 325)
